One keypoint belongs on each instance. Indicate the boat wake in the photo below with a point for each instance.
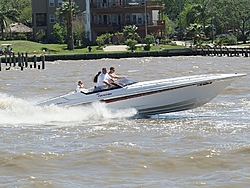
(16, 111)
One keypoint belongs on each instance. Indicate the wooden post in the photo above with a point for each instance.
(6, 60)
(10, 59)
(43, 61)
(14, 59)
(35, 60)
(22, 59)
(246, 54)
(26, 59)
(227, 52)
(19, 60)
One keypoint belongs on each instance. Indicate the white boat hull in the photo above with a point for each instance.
(156, 97)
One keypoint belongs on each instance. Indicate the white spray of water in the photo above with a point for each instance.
(15, 111)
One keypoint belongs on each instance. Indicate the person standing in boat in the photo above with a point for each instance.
(104, 78)
(113, 75)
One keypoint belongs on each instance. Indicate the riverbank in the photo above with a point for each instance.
(230, 52)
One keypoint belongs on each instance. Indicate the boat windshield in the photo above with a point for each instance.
(117, 84)
(124, 82)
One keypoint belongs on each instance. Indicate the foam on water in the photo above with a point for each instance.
(16, 111)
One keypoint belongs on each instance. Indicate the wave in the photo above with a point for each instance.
(16, 111)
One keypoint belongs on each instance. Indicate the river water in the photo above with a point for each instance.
(93, 146)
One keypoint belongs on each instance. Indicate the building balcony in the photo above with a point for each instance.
(127, 4)
(112, 27)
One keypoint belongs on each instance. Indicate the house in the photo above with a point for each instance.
(103, 16)
(44, 17)
(110, 16)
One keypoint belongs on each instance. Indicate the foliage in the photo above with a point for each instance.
(131, 44)
(100, 40)
(234, 15)
(79, 29)
(23, 8)
(223, 16)
(21, 36)
(6, 16)
(196, 32)
(108, 37)
(228, 40)
(119, 36)
(129, 32)
(66, 12)
(58, 33)
(149, 39)
(40, 34)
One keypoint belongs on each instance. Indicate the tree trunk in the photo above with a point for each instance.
(70, 29)
(243, 32)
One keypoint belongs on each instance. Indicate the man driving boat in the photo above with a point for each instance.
(104, 79)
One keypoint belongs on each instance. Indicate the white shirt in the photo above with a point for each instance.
(101, 78)
(78, 88)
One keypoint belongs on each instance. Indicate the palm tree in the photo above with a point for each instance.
(198, 13)
(6, 16)
(66, 12)
(129, 32)
(197, 33)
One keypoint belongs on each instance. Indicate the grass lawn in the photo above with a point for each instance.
(34, 48)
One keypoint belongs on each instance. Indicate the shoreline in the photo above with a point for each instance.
(117, 55)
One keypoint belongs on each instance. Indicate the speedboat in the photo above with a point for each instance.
(152, 97)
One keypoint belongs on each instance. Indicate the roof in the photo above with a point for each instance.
(20, 28)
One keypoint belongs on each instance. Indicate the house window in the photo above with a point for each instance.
(99, 19)
(52, 18)
(51, 3)
(59, 3)
(128, 19)
(40, 19)
(139, 17)
(105, 19)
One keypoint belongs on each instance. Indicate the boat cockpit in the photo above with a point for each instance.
(120, 83)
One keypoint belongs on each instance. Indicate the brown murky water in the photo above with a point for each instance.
(94, 147)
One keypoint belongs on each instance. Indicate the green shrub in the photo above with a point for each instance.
(20, 36)
(131, 44)
(58, 33)
(228, 40)
(147, 47)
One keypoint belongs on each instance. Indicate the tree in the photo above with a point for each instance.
(149, 39)
(196, 32)
(40, 34)
(6, 16)
(67, 11)
(131, 44)
(58, 33)
(100, 40)
(79, 29)
(23, 8)
(198, 14)
(119, 36)
(233, 15)
(129, 32)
